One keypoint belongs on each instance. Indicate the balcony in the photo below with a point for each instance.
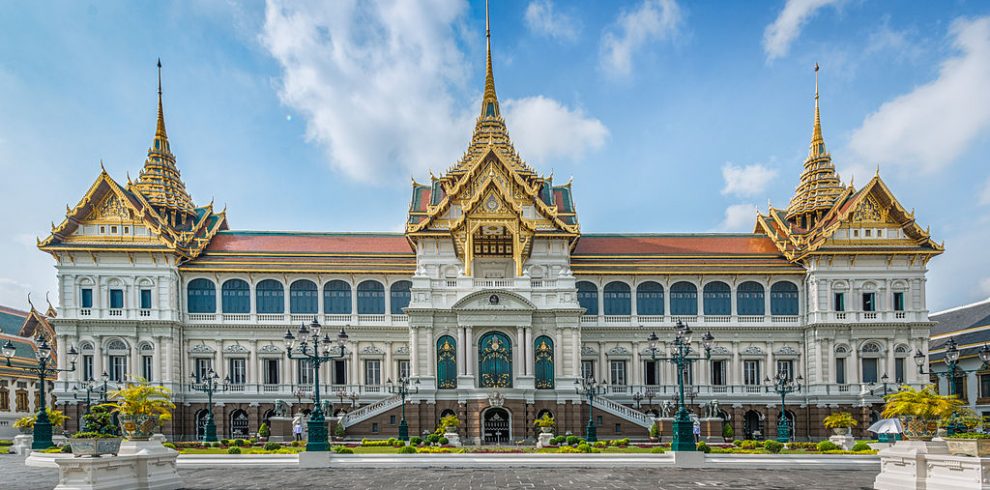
(694, 320)
(293, 319)
(494, 283)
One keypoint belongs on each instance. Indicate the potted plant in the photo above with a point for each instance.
(968, 444)
(448, 424)
(25, 424)
(55, 417)
(99, 434)
(655, 431)
(264, 432)
(546, 423)
(728, 433)
(141, 407)
(840, 423)
(920, 410)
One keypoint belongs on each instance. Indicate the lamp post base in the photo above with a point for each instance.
(403, 430)
(683, 430)
(317, 432)
(590, 432)
(210, 431)
(42, 434)
(783, 432)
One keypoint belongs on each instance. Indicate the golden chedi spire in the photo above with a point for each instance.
(819, 186)
(159, 181)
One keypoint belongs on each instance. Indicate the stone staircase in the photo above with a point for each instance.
(622, 411)
(370, 410)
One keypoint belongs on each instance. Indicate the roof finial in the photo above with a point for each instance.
(489, 104)
(817, 141)
(29, 301)
(160, 128)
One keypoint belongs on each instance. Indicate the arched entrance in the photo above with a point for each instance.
(496, 426)
(495, 360)
(753, 425)
(238, 424)
(201, 424)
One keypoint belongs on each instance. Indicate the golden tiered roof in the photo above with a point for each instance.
(159, 181)
(820, 185)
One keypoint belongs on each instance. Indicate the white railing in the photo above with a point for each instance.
(869, 315)
(271, 388)
(370, 410)
(371, 318)
(753, 389)
(685, 318)
(493, 283)
(784, 319)
(589, 319)
(650, 318)
(144, 312)
(116, 312)
(718, 318)
(85, 312)
(840, 315)
(303, 317)
(544, 283)
(620, 410)
(900, 315)
(336, 318)
(236, 317)
(199, 317)
(400, 318)
(271, 317)
(617, 318)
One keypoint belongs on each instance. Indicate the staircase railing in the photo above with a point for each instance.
(620, 410)
(370, 410)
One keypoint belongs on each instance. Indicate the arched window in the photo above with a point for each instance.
(543, 349)
(270, 296)
(302, 297)
(238, 424)
(337, 297)
(750, 300)
(236, 296)
(784, 298)
(371, 298)
(399, 296)
(683, 299)
(718, 298)
(495, 360)
(587, 295)
(617, 299)
(649, 299)
(871, 348)
(202, 296)
(446, 363)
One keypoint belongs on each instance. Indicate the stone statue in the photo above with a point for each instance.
(714, 412)
(281, 409)
(666, 409)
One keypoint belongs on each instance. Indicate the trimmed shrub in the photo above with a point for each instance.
(415, 440)
(601, 444)
(398, 443)
(432, 439)
(803, 446)
(252, 441)
(737, 443)
(749, 444)
(773, 446)
(225, 442)
(264, 431)
(66, 449)
(168, 445)
(861, 446)
(239, 442)
(584, 447)
(407, 450)
(827, 446)
(702, 447)
(272, 446)
(217, 444)
(658, 450)
(295, 443)
(443, 441)
(234, 450)
(344, 450)
(573, 440)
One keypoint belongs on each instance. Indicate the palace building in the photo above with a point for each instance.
(495, 303)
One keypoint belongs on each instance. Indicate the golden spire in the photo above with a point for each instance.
(160, 135)
(489, 105)
(816, 134)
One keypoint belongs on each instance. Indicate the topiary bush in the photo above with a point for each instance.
(702, 447)
(344, 450)
(415, 440)
(432, 439)
(573, 440)
(827, 446)
(443, 441)
(658, 450)
(398, 443)
(749, 444)
(168, 445)
(773, 446)
(584, 447)
(272, 446)
(233, 450)
(225, 442)
(601, 444)
(861, 446)
(239, 442)
(407, 450)
(737, 443)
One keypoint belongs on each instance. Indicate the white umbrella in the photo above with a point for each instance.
(887, 426)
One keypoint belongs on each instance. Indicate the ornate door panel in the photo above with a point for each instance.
(543, 351)
(446, 363)
(495, 360)
(496, 426)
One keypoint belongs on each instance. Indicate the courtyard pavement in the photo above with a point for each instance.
(15, 475)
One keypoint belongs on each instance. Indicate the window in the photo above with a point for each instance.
(337, 298)
(340, 372)
(984, 385)
(683, 299)
(201, 295)
(203, 367)
(717, 299)
(840, 301)
(617, 299)
(959, 388)
(271, 368)
(87, 367)
(718, 373)
(870, 370)
(869, 301)
(446, 363)
(304, 372)
(899, 370)
(302, 297)
(372, 372)
(898, 301)
(270, 297)
(750, 299)
(617, 371)
(371, 298)
(543, 363)
(649, 299)
(618, 429)
(237, 370)
(391, 419)
(4, 400)
(145, 299)
(786, 366)
(784, 299)
(116, 299)
(86, 297)
(118, 368)
(650, 373)
(235, 296)
(587, 296)
(399, 297)
(21, 401)
(403, 369)
(840, 370)
(588, 369)
(374, 427)
(148, 367)
(751, 372)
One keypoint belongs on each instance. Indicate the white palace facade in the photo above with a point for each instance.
(494, 296)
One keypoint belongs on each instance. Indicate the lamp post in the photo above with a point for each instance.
(883, 379)
(590, 388)
(782, 384)
(952, 362)
(210, 384)
(309, 349)
(46, 367)
(683, 428)
(402, 388)
(637, 397)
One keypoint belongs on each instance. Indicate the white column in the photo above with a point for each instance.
(736, 375)
(157, 360)
(602, 364)
(530, 360)
(469, 351)
(253, 369)
(387, 368)
(890, 362)
(519, 354)
(355, 375)
(98, 367)
(461, 351)
(637, 367)
(414, 352)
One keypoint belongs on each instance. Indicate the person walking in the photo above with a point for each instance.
(297, 431)
(697, 432)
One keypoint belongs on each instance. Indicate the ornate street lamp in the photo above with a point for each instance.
(210, 384)
(46, 368)
(590, 388)
(402, 388)
(782, 384)
(679, 355)
(952, 361)
(309, 348)
(884, 381)
(637, 397)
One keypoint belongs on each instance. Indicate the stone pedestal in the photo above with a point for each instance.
(689, 459)
(22, 444)
(946, 472)
(903, 466)
(845, 442)
(544, 439)
(314, 459)
(141, 465)
(281, 429)
(453, 439)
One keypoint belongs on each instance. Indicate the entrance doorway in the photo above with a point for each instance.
(753, 425)
(495, 427)
(239, 424)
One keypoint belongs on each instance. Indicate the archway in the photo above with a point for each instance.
(201, 416)
(495, 360)
(496, 426)
(239, 424)
(753, 425)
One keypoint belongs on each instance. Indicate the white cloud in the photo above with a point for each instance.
(929, 127)
(739, 218)
(777, 37)
(653, 20)
(541, 18)
(747, 181)
(543, 128)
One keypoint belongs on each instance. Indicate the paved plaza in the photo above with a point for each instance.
(15, 475)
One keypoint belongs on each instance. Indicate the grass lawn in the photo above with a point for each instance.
(374, 449)
(244, 450)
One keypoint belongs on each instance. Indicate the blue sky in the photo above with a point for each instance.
(670, 116)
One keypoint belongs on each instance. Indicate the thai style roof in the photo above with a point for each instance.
(11, 320)
(13, 325)
(959, 320)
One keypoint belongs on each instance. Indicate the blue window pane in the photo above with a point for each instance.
(371, 298)
(543, 362)
(303, 297)
(718, 299)
(270, 297)
(145, 299)
(618, 300)
(400, 296)
(337, 297)
(446, 363)
(750, 299)
(587, 295)
(201, 296)
(236, 296)
(116, 298)
(784, 298)
(649, 299)
(87, 298)
(683, 299)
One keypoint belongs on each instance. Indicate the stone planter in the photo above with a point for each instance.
(841, 431)
(546, 430)
(138, 427)
(968, 447)
(95, 447)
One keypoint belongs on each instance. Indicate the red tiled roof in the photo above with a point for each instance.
(11, 311)
(675, 245)
(277, 242)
